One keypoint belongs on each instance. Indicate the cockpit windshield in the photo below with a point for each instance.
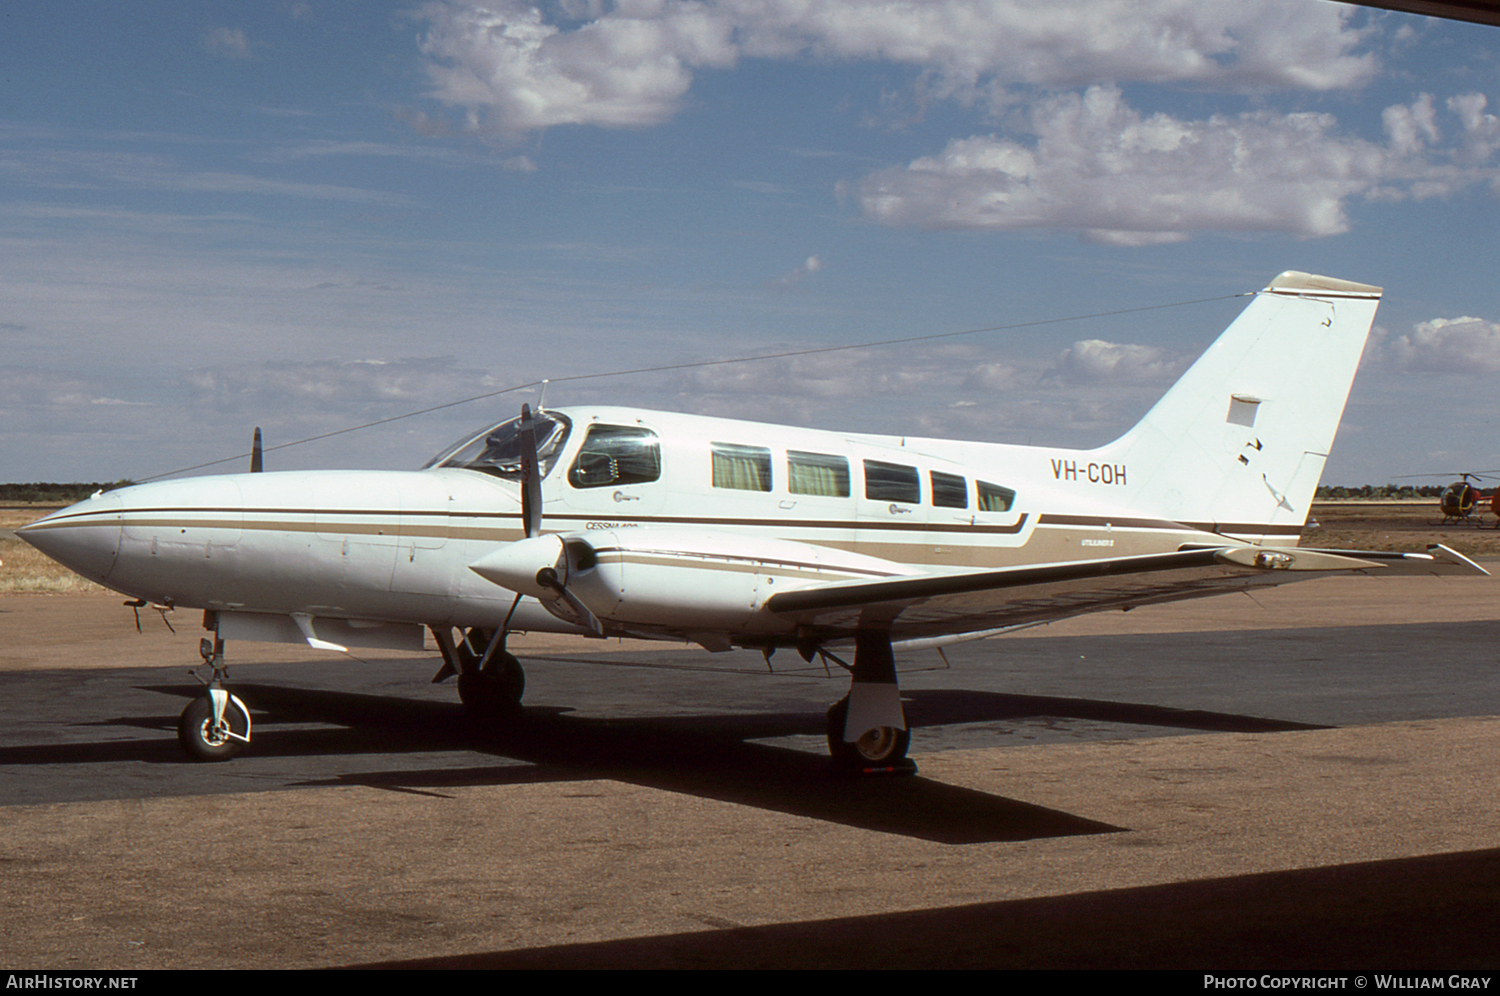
(497, 450)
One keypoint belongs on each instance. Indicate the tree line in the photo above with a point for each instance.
(1389, 491)
(54, 494)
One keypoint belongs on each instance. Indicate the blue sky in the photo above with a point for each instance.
(311, 215)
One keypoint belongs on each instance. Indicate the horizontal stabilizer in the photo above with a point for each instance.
(1438, 560)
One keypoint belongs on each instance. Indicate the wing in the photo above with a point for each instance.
(976, 603)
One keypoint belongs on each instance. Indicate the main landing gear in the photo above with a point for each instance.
(216, 725)
(490, 679)
(867, 732)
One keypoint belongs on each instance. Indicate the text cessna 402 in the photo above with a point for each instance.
(611, 522)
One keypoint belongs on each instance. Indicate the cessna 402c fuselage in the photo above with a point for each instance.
(623, 522)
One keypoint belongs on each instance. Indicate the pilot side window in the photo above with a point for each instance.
(949, 490)
(616, 454)
(743, 468)
(817, 474)
(994, 498)
(892, 482)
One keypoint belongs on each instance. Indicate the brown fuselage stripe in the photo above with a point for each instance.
(326, 519)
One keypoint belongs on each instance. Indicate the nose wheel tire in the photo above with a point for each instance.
(202, 739)
(882, 747)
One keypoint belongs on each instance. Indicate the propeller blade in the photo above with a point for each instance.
(531, 484)
(257, 465)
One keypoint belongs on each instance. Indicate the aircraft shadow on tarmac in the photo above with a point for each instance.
(709, 755)
(951, 706)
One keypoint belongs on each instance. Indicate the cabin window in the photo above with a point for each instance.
(892, 482)
(994, 498)
(817, 474)
(743, 468)
(616, 454)
(949, 490)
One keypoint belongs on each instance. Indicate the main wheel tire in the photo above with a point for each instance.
(201, 739)
(478, 693)
(510, 677)
(494, 691)
(882, 747)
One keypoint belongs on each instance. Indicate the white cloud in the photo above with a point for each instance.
(1450, 345)
(229, 43)
(805, 269)
(1094, 361)
(514, 69)
(1481, 131)
(988, 377)
(1101, 167)
(1411, 128)
(344, 386)
(838, 375)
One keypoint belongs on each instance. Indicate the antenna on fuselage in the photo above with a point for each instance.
(257, 463)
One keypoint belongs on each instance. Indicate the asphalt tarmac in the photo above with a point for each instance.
(1302, 780)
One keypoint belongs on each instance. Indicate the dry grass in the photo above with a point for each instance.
(23, 570)
(1406, 526)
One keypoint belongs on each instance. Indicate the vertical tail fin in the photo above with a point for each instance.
(1238, 444)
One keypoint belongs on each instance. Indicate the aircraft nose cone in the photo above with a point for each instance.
(515, 565)
(84, 537)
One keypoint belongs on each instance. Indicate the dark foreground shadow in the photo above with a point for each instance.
(1432, 913)
(709, 755)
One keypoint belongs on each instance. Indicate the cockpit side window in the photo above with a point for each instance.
(616, 454)
(497, 450)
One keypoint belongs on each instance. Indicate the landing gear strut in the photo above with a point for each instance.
(867, 731)
(216, 725)
(491, 681)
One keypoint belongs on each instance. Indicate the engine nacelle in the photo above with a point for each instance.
(682, 579)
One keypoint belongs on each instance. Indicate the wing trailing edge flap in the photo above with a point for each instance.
(932, 605)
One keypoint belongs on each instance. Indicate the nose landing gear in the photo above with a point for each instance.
(215, 726)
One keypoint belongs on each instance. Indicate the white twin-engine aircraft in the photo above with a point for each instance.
(622, 522)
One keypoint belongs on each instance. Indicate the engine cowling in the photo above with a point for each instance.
(674, 578)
